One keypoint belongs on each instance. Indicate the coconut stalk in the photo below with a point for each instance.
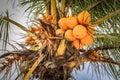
(62, 7)
(54, 13)
(34, 66)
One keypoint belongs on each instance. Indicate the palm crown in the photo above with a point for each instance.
(53, 55)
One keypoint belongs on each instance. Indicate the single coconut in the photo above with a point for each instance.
(71, 22)
(62, 24)
(69, 35)
(87, 40)
(84, 17)
(79, 31)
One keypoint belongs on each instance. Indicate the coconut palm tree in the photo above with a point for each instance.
(51, 56)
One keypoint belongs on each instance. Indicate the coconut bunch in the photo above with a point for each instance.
(77, 29)
(38, 31)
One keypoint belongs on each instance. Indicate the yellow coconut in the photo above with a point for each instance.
(79, 31)
(71, 21)
(84, 17)
(87, 40)
(62, 24)
(69, 35)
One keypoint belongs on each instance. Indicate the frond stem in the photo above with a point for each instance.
(41, 57)
(53, 13)
(94, 5)
(105, 17)
(15, 23)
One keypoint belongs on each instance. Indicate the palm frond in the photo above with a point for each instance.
(4, 29)
(34, 6)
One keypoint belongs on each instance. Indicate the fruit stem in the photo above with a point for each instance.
(105, 17)
(104, 35)
(93, 5)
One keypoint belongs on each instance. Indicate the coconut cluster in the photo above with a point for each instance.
(37, 31)
(77, 29)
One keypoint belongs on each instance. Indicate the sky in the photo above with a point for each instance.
(17, 14)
